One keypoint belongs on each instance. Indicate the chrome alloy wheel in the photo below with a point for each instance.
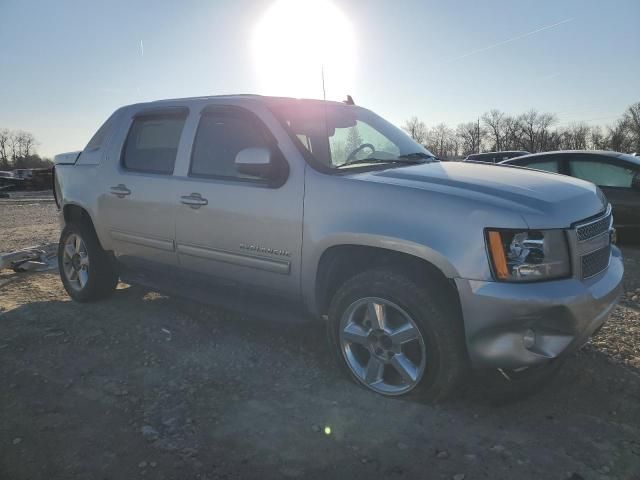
(382, 346)
(75, 262)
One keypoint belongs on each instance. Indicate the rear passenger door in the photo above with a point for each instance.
(615, 178)
(244, 232)
(138, 203)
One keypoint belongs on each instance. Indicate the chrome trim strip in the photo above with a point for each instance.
(158, 243)
(595, 220)
(606, 214)
(251, 261)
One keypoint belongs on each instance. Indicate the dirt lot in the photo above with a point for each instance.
(143, 385)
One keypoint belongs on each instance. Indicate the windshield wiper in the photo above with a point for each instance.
(420, 155)
(401, 159)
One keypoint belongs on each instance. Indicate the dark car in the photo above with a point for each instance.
(494, 157)
(617, 174)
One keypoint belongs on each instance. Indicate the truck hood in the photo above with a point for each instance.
(545, 200)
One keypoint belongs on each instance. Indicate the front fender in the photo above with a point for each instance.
(311, 262)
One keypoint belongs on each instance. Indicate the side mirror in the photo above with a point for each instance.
(256, 162)
(635, 182)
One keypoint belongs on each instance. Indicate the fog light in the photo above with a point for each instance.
(529, 338)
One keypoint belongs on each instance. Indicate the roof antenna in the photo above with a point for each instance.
(349, 100)
(324, 93)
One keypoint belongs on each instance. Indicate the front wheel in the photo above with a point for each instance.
(86, 270)
(394, 336)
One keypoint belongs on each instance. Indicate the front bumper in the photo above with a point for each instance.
(562, 314)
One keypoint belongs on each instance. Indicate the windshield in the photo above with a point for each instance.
(339, 136)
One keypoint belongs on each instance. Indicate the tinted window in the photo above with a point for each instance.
(548, 166)
(600, 173)
(218, 141)
(152, 143)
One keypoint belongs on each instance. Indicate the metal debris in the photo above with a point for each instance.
(32, 259)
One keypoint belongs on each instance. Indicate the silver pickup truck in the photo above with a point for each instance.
(422, 270)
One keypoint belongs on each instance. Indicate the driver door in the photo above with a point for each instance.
(242, 231)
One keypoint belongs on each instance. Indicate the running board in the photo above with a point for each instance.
(236, 299)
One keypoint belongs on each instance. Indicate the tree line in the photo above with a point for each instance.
(532, 131)
(18, 150)
(494, 130)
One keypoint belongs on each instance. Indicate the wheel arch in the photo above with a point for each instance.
(339, 262)
(73, 212)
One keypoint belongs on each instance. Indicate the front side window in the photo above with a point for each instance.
(152, 143)
(219, 139)
(339, 136)
(602, 174)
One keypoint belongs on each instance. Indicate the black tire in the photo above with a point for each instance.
(102, 274)
(507, 386)
(439, 324)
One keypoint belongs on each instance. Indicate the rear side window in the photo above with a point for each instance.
(601, 173)
(549, 166)
(219, 139)
(152, 143)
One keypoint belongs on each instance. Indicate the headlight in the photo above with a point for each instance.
(521, 256)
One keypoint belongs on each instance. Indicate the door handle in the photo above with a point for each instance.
(120, 190)
(194, 200)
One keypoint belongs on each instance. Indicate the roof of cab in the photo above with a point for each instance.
(269, 100)
(606, 153)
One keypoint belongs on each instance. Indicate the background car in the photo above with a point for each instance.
(617, 174)
(494, 157)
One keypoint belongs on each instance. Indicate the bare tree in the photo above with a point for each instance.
(14, 146)
(596, 138)
(441, 140)
(5, 136)
(574, 137)
(512, 133)
(17, 150)
(631, 119)
(617, 138)
(555, 139)
(26, 143)
(535, 129)
(470, 135)
(416, 129)
(530, 131)
(494, 121)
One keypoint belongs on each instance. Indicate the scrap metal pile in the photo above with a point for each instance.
(32, 259)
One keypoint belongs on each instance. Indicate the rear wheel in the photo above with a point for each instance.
(86, 270)
(394, 336)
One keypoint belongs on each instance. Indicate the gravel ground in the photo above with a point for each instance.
(146, 385)
(25, 222)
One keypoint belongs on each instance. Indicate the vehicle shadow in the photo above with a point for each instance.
(157, 375)
(177, 329)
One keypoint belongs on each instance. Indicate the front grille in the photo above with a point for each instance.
(595, 262)
(593, 229)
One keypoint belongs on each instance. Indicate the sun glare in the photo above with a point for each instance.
(295, 40)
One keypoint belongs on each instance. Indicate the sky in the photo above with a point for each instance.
(65, 65)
